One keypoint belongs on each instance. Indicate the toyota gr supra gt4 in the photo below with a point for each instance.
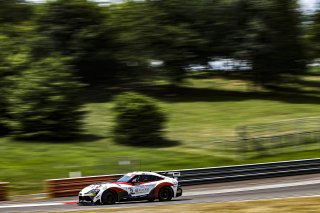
(133, 186)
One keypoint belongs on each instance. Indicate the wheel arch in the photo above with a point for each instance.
(162, 185)
(113, 191)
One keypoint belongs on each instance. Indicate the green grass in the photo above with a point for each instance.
(200, 111)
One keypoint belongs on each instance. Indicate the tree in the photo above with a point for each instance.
(285, 41)
(43, 100)
(77, 29)
(314, 35)
(14, 57)
(13, 50)
(270, 37)
(139, 121)
(14, 11)
(157, 35)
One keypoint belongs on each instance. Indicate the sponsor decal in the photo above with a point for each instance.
(141, 190)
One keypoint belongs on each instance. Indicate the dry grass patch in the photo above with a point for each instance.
(291, 205)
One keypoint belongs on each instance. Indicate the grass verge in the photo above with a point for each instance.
(291, 205)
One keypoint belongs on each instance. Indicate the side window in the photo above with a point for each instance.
(144, 178)
(136, 179)
(154, 178)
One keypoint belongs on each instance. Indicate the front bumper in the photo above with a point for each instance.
(179, 192)
(86, 200)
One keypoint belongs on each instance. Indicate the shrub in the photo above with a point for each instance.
(139, 121)
(43, 101)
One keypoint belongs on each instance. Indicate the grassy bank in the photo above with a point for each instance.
(200, 110)
(293, 205)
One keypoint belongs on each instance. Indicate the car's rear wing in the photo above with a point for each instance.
(174, 175)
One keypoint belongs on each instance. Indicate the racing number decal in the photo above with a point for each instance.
(131, 191)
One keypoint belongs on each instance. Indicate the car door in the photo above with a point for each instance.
(143, 185)
(133, 188)
(146, 184)
(136, 190)
(139, 189)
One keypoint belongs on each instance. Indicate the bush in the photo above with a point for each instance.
(139, 121)
(43, 101)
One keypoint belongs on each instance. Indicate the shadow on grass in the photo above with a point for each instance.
(45, 138)
(188, 94)
(177, 93)
(227, 75)
(159, 143)
(307, 83)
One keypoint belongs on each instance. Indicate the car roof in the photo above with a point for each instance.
(144, 173)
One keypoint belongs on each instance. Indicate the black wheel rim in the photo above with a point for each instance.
(165, 194)
(109, 199)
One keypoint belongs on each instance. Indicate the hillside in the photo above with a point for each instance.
(201, 110)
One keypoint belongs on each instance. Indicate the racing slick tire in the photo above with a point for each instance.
(108, 198)
(165, 194)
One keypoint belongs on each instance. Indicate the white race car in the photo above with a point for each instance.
(133, 186)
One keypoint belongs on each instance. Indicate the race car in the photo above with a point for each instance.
(133, 186)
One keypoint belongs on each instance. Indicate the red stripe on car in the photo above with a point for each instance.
(71, 203)
(150, 181)
(117, 189)
(124, 183)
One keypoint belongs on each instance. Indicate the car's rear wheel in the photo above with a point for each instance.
(108, 198)
(165, 194)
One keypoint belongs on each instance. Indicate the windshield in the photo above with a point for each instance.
(124, 178)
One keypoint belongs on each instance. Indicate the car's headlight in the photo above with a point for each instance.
(92, 193)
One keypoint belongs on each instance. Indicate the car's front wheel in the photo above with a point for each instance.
(165, 194)
(108, 198)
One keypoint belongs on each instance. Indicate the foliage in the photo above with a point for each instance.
(76, 29)
(43, 100)
(14, 11)
(265, 33)
(13, 58)
(156, 36)
(314, 34)
(102, 42)
(270, 38)
(286, 52)
(13, 50)
(139, 121)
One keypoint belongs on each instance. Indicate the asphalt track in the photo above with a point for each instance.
(299, 186)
